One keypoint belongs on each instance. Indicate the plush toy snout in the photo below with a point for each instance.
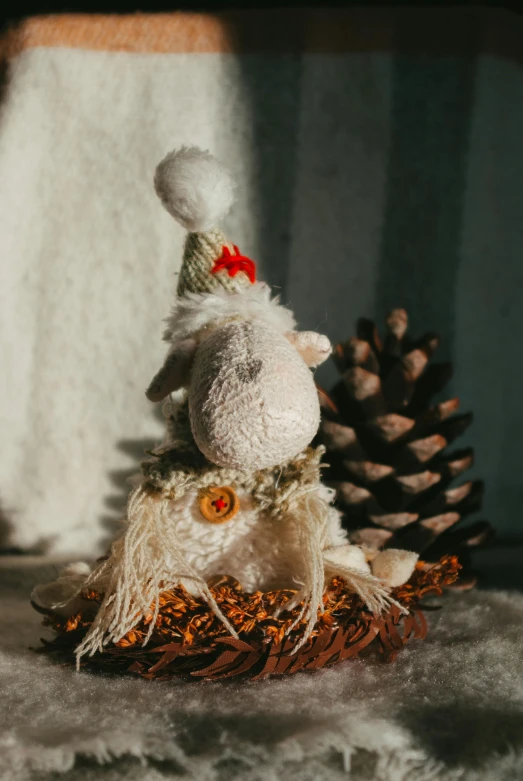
(244, 377)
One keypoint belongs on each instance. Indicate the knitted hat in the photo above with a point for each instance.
(198, 192)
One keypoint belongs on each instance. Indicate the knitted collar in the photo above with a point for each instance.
(179, 466)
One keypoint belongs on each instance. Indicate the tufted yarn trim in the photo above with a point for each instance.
(195, 311)
(234, 263)
(179, 466)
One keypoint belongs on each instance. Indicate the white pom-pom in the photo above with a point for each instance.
(194, 188)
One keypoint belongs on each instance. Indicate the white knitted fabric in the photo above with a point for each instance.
(168, 543)
(262, 552)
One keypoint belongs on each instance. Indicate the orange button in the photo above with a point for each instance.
(219, 504)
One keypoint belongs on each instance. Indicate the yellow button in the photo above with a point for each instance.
(219, 504)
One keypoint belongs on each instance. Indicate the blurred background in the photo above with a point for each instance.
(378, 157)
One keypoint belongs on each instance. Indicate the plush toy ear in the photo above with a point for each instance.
(314, 348)
(175, 371)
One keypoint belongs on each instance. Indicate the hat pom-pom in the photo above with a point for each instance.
(194, 188)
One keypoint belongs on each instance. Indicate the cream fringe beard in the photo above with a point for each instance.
(311, 513)
(147, 560)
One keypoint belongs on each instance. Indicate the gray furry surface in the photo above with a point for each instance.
(449, 708)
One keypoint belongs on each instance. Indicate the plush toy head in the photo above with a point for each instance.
(252, 399)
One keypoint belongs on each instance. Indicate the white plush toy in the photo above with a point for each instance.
(235, 488)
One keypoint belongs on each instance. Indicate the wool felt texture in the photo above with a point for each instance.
(449, 709)
(394, 566)
(194, 188)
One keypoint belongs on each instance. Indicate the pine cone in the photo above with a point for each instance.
(387, 447)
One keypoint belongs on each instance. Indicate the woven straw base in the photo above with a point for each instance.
(189, 640)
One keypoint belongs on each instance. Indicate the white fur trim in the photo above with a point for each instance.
(195, 311)
(194, 188)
